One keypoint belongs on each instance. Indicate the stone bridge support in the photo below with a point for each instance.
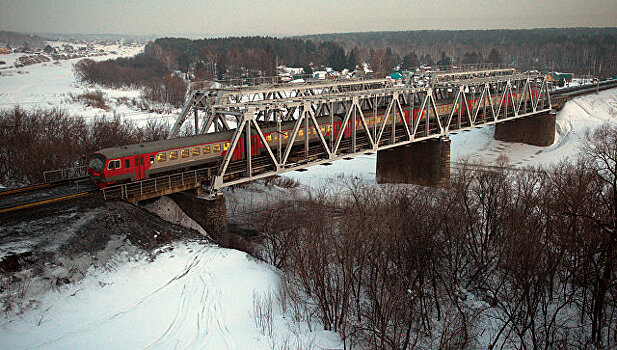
(209, 212)
(537, 130)
(424, 163)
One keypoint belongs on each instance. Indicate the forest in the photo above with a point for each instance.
(502, 259)
(247, 56)
(579, 50)
(158, 70)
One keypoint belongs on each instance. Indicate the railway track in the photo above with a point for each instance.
(25, 189)
(11, 208)
(45, 193)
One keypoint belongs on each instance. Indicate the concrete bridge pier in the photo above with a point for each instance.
(208, 211)
(537, 130)
(424, 163)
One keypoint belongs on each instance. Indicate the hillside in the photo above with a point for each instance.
(15, 39)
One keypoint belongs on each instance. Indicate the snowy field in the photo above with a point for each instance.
(194, 295)
(51, 84)
(191, 296)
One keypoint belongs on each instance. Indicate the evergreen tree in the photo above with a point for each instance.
(410, 61)
(352, 59)
(494, 57)
(445, 61)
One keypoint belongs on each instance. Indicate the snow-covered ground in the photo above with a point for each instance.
(51, 84)
(191, 296)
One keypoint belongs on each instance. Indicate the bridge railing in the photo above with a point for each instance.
(65, 174)
(154, 187)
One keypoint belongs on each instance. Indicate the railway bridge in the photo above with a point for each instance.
(313, 124)
(291, 127)
(273, 129)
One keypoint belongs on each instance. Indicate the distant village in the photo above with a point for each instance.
(26, 54)
(54, 51)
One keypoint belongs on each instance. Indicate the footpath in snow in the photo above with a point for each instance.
(192, 295)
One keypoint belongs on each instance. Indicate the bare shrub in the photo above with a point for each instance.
(281, 181)
(263, 313)
(34, 141)
(393, 267)
(133, 71)
(95, 98)
(170, 89)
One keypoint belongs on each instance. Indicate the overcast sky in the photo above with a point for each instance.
(254, 17)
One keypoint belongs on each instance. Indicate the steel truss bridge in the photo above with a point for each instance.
(373, 118)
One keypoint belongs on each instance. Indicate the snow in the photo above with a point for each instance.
(50, 85)
(168, 210)
(188, 297)
(181, 289)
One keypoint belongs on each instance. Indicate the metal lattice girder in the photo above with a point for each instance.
(390, 112)
(203, 99)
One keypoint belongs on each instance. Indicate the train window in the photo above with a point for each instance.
(275, 137)
(184, 153)
(301, 132)
(323, 129)
(196, 151)
(162, 157)
(269, 137)
(206, 149)
(136, 161)
(216, 148)
(226, 146)
(173, 155)
(285, 136)
(113, 164)
(127, 163)
(151, 159)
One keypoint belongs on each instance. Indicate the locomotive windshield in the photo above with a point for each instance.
(96, 163)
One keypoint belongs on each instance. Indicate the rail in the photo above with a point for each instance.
(35, 203)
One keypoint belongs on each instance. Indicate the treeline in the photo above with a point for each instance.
(499, 260)
(133, 71)
(15, 40)
(140, 71)
(247, 56)
(579, 50)
(34, 141)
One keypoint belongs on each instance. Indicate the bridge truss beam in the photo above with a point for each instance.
(200, 100)
(371, 120)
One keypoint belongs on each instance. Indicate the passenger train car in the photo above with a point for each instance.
(142, 161)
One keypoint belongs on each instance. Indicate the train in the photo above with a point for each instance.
(142, 161)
